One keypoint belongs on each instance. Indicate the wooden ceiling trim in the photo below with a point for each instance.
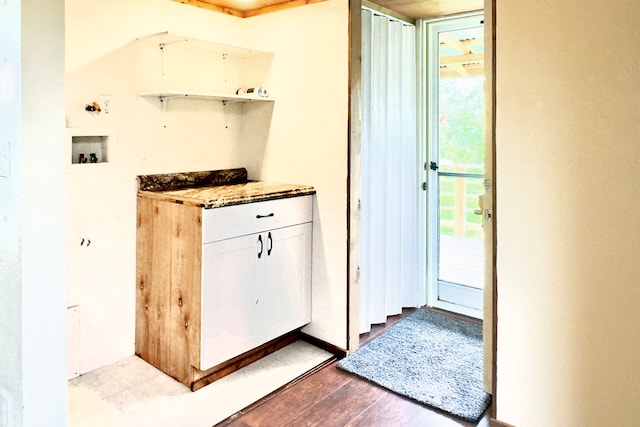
(215, 8)
(236, 8)
(279, 6)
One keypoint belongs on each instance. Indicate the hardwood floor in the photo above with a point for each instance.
(333, 398)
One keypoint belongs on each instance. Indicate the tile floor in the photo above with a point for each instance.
(132, 393)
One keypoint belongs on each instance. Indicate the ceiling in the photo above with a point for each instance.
(406, 9)
(423, 9)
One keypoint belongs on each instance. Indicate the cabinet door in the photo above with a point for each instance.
(285, 302)
(230, 271)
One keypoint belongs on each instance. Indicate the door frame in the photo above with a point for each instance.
(353, 192)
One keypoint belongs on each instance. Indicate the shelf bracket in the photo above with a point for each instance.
(163, 102)
(225, 103)
(161, 46)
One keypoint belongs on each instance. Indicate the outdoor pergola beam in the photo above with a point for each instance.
(470, 70)
(454, 43)
(458, 68)
(466, 63)
(462, 59)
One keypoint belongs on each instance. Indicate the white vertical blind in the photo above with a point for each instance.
(389, 275)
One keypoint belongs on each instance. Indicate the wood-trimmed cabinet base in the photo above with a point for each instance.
(200, 379)
(209, 303)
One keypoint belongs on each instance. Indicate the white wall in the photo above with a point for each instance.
(568, 180)
(32, 274)
(297, 140)
(145, 140)
(10, 255)
(307, 140)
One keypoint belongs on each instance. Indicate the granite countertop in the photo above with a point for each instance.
(215, 189)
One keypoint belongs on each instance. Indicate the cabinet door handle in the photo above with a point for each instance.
(265, 216)
(261, 246)
(270, 244)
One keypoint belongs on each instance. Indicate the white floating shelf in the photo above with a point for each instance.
(210, 96)
(168, 38)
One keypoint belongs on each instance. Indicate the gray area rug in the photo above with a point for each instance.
(428, 357)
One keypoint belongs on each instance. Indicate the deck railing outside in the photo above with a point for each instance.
(459, 199)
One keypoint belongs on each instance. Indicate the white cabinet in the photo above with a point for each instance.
(256, 276)
(285, 302)
(217, 288)
(228, 321)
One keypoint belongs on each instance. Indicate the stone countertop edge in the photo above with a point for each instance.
(229, 200)
(220, 203)
(181, 180)
(215, 189)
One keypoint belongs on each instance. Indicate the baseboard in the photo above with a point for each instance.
(203, 378)
(304, 337)
(497, 423)
(239, 362)
(339, 352)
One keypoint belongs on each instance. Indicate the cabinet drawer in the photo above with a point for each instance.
(232, 221)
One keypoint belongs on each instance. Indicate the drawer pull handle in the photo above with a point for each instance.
(265, 216)
(261, 246)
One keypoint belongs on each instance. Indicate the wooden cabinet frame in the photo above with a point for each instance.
(169, 281)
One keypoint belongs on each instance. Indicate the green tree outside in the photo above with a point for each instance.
(461, 148)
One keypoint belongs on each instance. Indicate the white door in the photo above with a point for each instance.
(230, 270)
(456, 164)
(285, 301)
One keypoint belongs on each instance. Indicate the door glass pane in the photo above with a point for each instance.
(461, 158)
(461, 242)
(461, 101)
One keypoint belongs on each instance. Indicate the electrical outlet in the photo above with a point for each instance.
(106, 103)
